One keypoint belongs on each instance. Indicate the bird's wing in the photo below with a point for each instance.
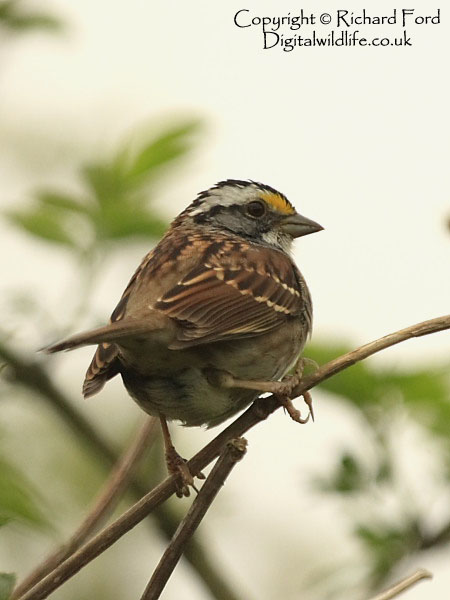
(246, 293)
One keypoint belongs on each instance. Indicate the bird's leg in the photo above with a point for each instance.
(282, 389)
(289, 382)
(176, 465)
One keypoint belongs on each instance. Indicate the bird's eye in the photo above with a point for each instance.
(256, 208)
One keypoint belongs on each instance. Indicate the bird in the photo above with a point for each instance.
(216, 314)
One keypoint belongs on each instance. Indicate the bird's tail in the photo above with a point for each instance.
(109, 333)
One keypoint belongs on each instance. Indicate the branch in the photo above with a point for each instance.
(404, 585)
(257, 412)
(231, 454)
(198, 556)
(346, 360)
(32, 376)
(107, 500)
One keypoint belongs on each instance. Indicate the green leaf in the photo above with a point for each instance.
(385, 471)
(42, 223)
(350, 476)
(12, 18)
(168, 146)
(60, 201)
(105, 181)
(425, 393)
(7, 583)
(117, 180)
(18, 499)
(116, 205)
(388, 544)
(121, 221)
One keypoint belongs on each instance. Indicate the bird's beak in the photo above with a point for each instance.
(297, 225)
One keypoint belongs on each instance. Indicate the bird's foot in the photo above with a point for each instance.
(288, 384)
(177, 465)
(293, 412)
(284, 393)
(281, 389)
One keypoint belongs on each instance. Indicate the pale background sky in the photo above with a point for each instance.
(357, 138)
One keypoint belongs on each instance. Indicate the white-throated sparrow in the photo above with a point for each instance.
(215, 313)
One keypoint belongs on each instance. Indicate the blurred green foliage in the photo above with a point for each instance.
(17, 19)
(116, 204)
(378, 394)
(7, 582)
(424, 393)
(388, 544)
(19, 500)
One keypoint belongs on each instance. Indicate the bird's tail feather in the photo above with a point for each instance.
(109, 333)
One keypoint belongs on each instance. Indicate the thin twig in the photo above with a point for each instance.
(33, 376)
(105, 503)
(350, 358)
(403, 585)
(199, 556)
(230, 455)
(257, 412)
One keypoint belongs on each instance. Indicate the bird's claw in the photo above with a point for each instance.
(177, 465)
(293, 412)
(288, 384)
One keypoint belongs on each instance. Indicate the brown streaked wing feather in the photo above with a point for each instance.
(244, 294)
(103, 367)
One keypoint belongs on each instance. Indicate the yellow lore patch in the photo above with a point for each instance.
(278, 202)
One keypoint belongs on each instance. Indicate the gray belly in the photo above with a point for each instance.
(174, 383)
